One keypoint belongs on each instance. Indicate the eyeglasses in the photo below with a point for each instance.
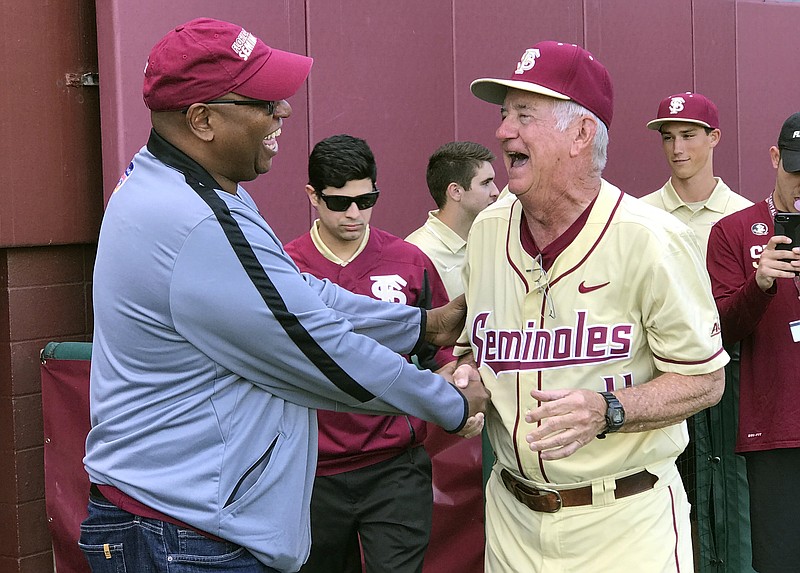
(267, 106)
(342, 203)
(543, 286)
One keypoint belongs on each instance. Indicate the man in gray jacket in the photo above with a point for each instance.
(211, 351)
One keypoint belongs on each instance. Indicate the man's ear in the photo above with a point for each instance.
(454, 192)
(775, 156)
(584, 135)
(313, 198)
(715, 136)
(198, 120)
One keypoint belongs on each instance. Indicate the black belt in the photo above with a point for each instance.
(550, 500)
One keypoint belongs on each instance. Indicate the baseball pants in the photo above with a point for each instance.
(648, 532)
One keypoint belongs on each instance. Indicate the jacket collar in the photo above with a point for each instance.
(167, 153)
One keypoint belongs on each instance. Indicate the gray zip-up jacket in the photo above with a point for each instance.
(211, 352)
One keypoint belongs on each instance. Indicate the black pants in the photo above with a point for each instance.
(388, 506)
(775, 509)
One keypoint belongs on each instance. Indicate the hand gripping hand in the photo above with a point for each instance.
(467, 378)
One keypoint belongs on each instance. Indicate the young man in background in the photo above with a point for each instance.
(689, 128)
(373, 483)
(714, 475)
(757, 289)
(460, 179)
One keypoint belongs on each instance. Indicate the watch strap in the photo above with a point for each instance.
(612, 403)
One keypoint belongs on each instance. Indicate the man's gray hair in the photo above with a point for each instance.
(567, 111)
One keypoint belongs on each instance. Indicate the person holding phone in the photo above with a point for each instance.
(756, 285)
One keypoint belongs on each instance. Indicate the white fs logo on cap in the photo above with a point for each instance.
(676, 105)
(527, 61)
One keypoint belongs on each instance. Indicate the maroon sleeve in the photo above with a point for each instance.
(740, 301)
(438, 298)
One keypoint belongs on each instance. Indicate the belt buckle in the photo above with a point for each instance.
(543, 491)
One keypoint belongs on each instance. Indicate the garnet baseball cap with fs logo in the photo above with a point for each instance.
(789, 143)
(204, 59)
(686, 107)
(558, 70)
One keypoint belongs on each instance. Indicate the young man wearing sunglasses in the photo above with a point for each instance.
(373, 475)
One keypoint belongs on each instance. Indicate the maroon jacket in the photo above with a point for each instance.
(388, 269)
(769, 388)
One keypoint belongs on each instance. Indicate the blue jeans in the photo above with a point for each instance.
(115, 541)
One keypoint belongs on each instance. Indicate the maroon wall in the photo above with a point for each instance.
(50, 209)
(399, 77)
(49, 149)
(397, 74)
(768, 86)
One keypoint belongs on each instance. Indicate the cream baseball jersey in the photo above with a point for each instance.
(722, 201)
(445, 248)
(629, 298)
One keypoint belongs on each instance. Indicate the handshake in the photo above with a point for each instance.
(444, 324)
(467, 378)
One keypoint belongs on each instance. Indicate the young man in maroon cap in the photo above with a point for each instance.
(689, 127)
(757, 288)
(591, 320)
(211, 351)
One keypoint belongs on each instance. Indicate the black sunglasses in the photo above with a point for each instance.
(342, 202)
(267, 106)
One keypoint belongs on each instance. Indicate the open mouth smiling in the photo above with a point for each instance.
(271, 142)
(517, 159)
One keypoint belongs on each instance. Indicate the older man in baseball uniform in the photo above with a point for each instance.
(591, 319)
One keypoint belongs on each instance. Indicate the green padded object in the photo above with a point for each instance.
(724, 518)
(67, 351)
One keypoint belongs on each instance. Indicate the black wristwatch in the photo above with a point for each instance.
(615, 414)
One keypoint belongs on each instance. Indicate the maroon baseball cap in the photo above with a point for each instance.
(559, 70)
(688, 107)
(204, 59)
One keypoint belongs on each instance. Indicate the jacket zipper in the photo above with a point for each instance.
(250, 470)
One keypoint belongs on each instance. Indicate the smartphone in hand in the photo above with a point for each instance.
(788, 225)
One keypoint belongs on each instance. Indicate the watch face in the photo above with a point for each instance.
(617, 417)
(615, 414)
